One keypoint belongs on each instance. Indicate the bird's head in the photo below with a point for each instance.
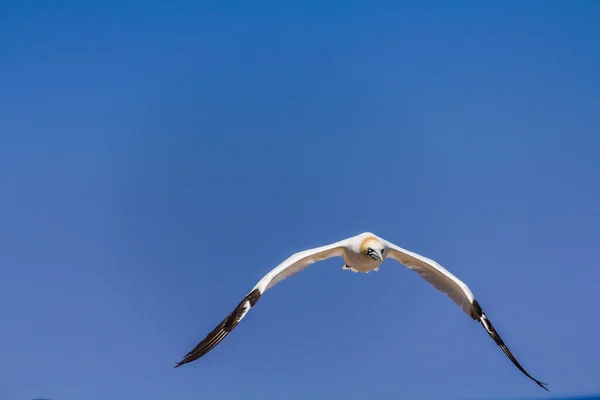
(372, 248)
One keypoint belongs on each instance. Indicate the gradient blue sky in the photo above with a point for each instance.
(157, 159)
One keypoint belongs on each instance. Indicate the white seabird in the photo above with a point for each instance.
(361, 253)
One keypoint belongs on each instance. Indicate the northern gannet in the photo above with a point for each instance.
(361, 253)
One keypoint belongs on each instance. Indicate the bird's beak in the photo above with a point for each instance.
(375, 254)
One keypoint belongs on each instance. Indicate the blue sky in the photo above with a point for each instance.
(157, 159)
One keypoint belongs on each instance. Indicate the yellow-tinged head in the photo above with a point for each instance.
(371, 247)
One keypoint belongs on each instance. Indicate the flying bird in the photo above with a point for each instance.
(361, 253)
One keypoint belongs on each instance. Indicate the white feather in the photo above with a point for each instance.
(435, 274)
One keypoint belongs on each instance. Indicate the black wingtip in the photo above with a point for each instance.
(479, 315)
(222, 330)
(180, 363)
(540, 384)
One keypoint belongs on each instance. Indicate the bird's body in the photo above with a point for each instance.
(362, 253)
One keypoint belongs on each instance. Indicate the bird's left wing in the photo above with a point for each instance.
(294, 264)
(455, 289)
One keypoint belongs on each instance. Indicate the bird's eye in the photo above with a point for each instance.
(382, 250)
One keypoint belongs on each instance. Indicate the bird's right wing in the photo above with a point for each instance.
(289, 267)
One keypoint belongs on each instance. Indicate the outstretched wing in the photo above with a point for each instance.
(289, 267)
(456, 290)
